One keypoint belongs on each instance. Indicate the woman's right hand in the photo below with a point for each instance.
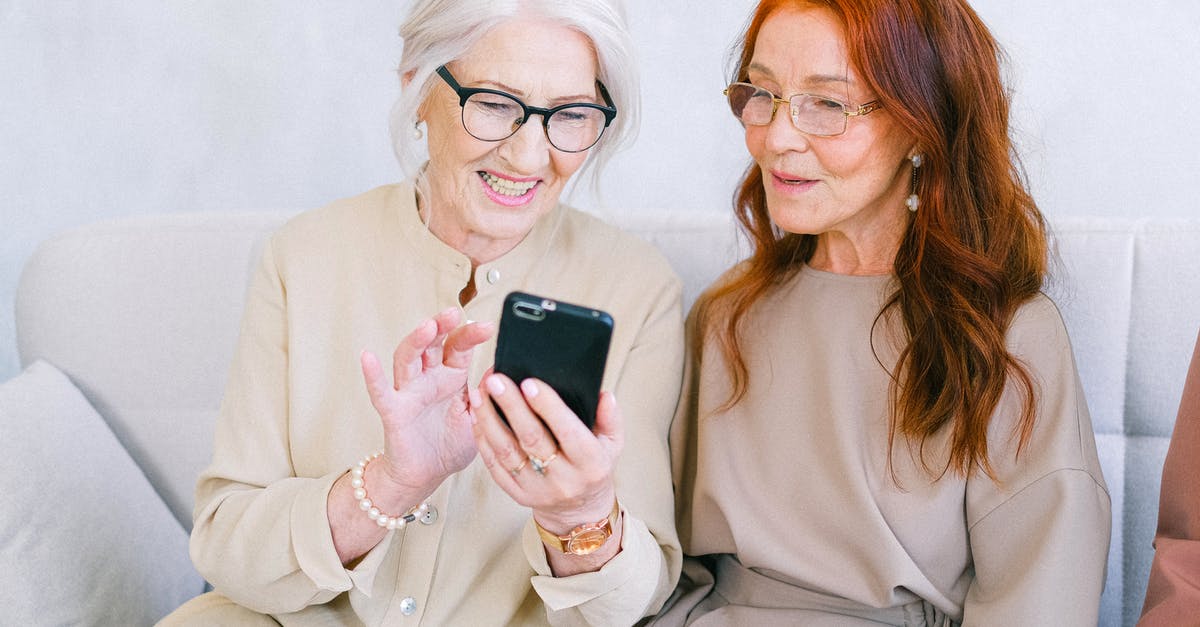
(423, 406)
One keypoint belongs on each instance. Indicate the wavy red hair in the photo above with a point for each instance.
(969, 258)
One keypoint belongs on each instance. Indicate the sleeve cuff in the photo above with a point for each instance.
(313, 541)
(637, 560)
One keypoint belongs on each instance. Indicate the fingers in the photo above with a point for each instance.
(406, 360)
(577, 480)
(531, 433)
(423, 347)
(461, 343)
(496, 445)
(377, 384)
(565, 427)
(610, 422)
(446, 321)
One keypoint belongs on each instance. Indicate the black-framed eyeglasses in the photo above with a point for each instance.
(810, 113)
(492, 115)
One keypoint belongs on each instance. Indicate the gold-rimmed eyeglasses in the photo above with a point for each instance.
(813, 114)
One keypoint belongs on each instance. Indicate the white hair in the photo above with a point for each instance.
(437, 32)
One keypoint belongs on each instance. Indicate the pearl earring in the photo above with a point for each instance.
(913, 201)
(418, 134)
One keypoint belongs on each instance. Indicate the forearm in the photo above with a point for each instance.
(267, 548)
(621, 592)
(354, 532)
(1040, 558)
(566, 563)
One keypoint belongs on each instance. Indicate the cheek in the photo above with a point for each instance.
(455, 152)
(756, 139)
(566, 164)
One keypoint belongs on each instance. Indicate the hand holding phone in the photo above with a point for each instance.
(562, 344)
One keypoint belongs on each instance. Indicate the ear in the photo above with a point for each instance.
(406, 80)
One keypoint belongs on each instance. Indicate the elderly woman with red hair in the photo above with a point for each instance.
(882, 422)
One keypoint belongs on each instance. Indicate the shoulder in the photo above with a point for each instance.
(346, 224)
(1037, 328)
(335, 234)
(602, 248)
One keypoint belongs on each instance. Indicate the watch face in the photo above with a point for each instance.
(587, 542)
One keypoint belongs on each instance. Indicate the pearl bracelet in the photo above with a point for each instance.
(365, 504)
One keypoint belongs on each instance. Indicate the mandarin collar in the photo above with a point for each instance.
(508, 272)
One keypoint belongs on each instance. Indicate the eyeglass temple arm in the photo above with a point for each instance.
(607, 100)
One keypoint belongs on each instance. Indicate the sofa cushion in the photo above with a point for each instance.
(142, 314)
(67, 487)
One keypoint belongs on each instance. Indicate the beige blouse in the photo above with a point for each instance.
(360, 274)
(790, 498)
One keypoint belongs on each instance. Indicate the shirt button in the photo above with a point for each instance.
(408, 605)
(493, 275)
(430, 516)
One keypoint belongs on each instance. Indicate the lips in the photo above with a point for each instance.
(507, 187)
(790, 179)
(788, 183)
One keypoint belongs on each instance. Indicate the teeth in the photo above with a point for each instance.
(507, 187)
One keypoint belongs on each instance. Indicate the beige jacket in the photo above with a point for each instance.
(359, 274)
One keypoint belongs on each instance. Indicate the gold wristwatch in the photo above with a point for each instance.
(584, 539)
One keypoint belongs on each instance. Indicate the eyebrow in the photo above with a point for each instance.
(811, 79)
(588, 98)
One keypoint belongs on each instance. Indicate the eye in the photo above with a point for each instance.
(825, 103)
(572, 115)
(495, 104)
(578, 116)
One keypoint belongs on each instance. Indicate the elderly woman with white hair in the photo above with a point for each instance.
(408, 498)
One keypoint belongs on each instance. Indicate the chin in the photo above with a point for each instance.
(792, 220)
(508, 222)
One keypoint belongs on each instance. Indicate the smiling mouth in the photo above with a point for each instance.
(792, 181)
(505, 187)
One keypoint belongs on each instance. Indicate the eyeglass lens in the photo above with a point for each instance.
(493, 117)
(809, 113)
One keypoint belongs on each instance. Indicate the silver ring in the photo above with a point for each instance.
(540, 466)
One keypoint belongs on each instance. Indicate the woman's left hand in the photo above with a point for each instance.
(575, 481)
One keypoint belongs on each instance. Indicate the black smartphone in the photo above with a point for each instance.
(562, 344)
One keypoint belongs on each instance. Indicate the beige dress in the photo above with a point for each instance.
(360, 274)
(788, 499)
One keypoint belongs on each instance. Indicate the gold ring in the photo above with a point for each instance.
(515, 471)
(540, 466)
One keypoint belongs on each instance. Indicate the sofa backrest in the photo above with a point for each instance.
(142, 313)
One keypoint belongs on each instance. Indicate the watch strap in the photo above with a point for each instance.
(561, 543)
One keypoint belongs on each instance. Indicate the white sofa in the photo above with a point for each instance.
(141, 315)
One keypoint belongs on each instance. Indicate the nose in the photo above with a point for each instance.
(783, 136)
(527, 150)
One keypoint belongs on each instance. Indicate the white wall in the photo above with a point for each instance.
(141, 106)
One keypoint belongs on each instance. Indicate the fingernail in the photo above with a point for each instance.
(529, 388)
(495, 385)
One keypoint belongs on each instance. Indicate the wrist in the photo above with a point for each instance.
(562, 522)
(586, 538)
(376, 490)
(400, 482)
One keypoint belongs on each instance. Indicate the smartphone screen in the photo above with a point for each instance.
(562, 344)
